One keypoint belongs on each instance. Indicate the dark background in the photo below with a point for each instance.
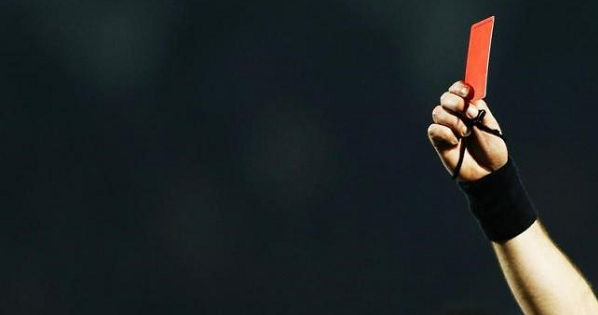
(191, 157)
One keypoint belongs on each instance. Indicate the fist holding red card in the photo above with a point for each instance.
(483, 152)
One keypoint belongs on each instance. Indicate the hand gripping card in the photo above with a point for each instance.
(478, 56)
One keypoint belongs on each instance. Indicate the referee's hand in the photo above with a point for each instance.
(485, 152)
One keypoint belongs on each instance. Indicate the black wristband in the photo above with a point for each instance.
(500, 203)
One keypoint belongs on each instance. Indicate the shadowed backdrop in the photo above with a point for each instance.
(194, 157)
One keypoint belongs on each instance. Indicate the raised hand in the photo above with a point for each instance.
(485, 152)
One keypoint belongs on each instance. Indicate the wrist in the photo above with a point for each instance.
(500, 203)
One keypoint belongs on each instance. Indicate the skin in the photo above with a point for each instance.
(539, 275)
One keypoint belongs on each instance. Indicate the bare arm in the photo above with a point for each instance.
(540, 276)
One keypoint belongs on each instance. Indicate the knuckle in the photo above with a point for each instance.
(460, 88)
(435, 113)
(451, 101)
(445, 98)
(442, 117)
(440, 135)
(431, 129)
(455, 86)
(433, 133)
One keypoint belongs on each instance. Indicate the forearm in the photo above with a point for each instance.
(541, 278)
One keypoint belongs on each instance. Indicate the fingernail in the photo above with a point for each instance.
(466, 131)
(472, 112)
(464, 91)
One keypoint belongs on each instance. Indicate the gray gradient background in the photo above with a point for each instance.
(191, 157)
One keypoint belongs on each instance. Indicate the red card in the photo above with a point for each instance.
(478, 55)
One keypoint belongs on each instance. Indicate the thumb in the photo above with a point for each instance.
(489, 119)
(488, 148)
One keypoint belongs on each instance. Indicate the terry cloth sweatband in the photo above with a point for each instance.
(500, 203)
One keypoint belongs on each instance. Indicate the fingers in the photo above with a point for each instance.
(449, 119)
(457, 99)
(485, 151)
(454, 103)
(442, 136)
(461, 89)
(458, 104)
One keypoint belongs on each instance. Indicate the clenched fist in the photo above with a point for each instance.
(484, 153)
